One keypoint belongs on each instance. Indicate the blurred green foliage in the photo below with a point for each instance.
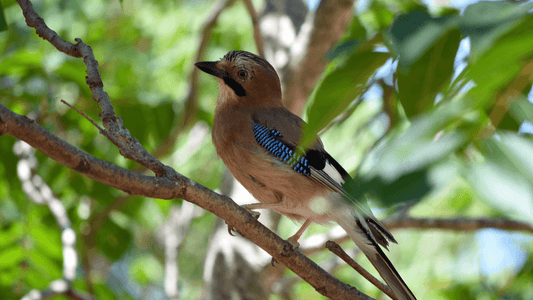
(421, 140)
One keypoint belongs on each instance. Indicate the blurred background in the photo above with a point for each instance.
(426, 104)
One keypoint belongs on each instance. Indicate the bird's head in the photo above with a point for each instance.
(244, 79)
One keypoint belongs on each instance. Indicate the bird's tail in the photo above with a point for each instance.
(360, 233)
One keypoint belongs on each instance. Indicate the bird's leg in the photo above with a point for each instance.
(292, 244)
(293, 240)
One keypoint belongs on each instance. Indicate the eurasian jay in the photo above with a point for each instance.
(257, 139)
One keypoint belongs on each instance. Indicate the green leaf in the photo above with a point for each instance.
(516, 150)
(398, 171)
(10, 257)
(504, 189)
(426, 47)
(9, 276)
(146, 269)
(46, 266)
(341, 86)
(377, 17)
(484, 22)
(505, 177)
(354, 38)
(10, 233)
(163, 120)
(3, 24)
(522, 110)
(410, 186)
(500, 64)
(48, 240)
(113, 240)
(415, 33)
(102, 291)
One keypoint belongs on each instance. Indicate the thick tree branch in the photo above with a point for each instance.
(172, 186)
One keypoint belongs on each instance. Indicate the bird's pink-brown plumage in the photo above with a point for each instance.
(257, 139)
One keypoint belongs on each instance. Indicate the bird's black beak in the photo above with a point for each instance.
(210, 67)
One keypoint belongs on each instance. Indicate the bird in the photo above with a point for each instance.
(257, 139)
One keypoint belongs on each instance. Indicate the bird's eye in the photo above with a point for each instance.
(241, 74)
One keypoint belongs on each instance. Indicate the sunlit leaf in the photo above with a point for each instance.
(522, 110)
(398, 171)
(506, 191)
(493, 70)
(10, 233)
(146, 269)
(43, 264)
(519, 152)
(48, 239)
(10, 257)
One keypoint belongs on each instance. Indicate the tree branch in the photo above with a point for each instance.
(129, 147)
(255, 23)
(462, 224)
(191, 104)
(337, 250)
(174, 185)
(510, 95)
(316, 242)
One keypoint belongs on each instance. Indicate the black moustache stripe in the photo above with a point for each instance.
(235, 86)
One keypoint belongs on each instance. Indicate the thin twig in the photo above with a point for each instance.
(35, 21)
(101, 130)
(337, 250)
(459, 224)
(315, 243)
(510, 95)
(125, 151)
(255, 23)
(190, 110)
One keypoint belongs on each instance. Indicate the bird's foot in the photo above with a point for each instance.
(255, 216)
(231, 229)
(290, 247)
(273, 262)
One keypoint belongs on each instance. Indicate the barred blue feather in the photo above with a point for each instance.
(267, 138)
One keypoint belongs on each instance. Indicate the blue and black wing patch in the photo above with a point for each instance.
(269, 139)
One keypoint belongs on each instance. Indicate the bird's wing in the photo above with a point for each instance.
(279, 135)
(279, 130)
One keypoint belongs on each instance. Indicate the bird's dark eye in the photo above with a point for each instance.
(241, 74)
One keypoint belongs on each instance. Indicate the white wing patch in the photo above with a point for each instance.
(333, 173)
